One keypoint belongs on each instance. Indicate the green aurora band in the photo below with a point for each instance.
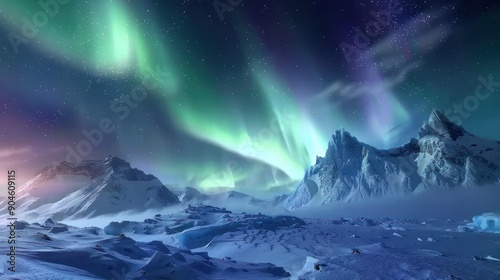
(108, 41)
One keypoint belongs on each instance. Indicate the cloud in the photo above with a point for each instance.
(350, 90)
(393, 57)
(8, 153)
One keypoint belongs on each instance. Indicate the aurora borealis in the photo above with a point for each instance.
(246, 102)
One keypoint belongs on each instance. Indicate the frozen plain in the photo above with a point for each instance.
(205, 242)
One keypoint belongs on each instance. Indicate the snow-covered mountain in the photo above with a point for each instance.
(443, 156)
(91, 188)
(193, 196)
(278, 199)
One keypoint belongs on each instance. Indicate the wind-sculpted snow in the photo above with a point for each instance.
(227, 245)
(444, 156)
(89, 254)
(197, 225)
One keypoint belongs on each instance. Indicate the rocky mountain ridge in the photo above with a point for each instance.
(444, 155)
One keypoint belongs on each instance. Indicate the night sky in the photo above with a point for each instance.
(242, 98)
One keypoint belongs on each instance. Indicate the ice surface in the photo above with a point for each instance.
(489, 222)
(87, 253)
(205, 242)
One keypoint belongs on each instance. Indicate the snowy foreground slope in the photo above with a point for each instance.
(90, 188)
(444, 156)
(204, 242)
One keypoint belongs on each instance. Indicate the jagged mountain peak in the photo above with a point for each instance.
(190, 194)
(96, 168)
(191, 189)
(116, 162)
(437, 115)
(342, 137)
(112, 162)
(444, 156)
(93, 187)
(342, 134)
(341, 145)
(438, 124)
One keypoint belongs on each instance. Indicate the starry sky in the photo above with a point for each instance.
(236, 94)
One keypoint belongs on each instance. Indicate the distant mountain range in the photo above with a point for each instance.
(443, 156)
(91, 188)
(194, 196)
